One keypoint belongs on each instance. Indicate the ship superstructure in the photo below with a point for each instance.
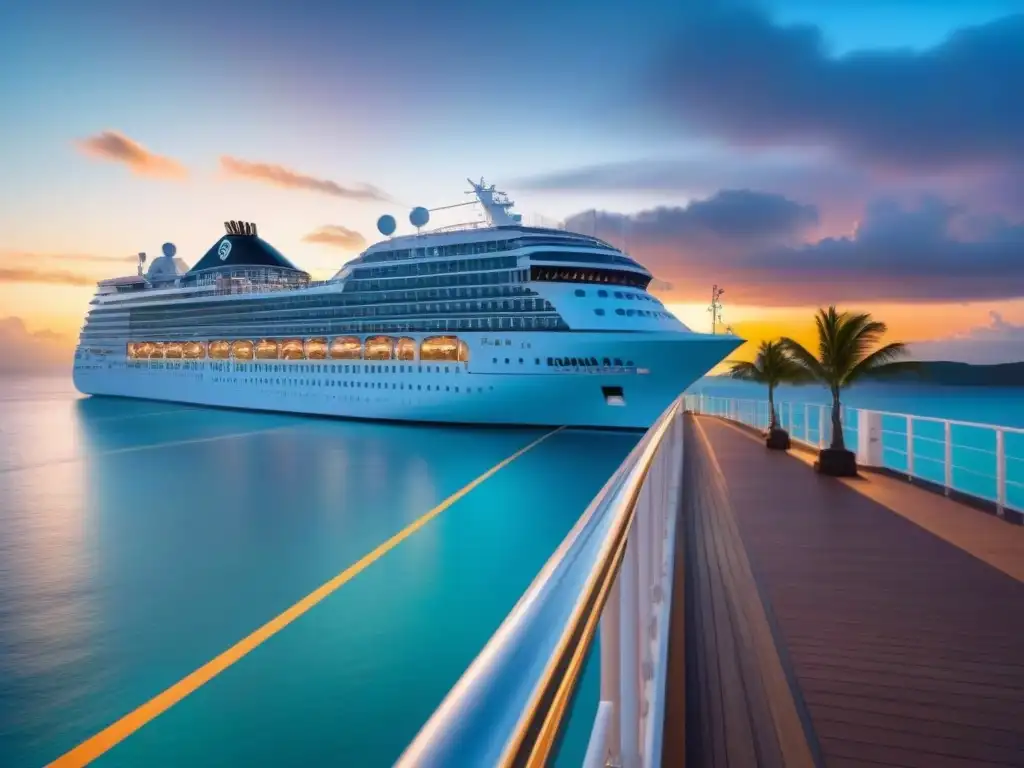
(490, 323)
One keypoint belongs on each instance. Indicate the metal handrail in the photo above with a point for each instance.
(860, 419)
(513, 700)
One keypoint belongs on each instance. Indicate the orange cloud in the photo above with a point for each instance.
(279, 176)
(118, 148)
(55, 277)
(337, 236)
(22, 351)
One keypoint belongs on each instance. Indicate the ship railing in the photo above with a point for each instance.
(614, 569)
(976, 460)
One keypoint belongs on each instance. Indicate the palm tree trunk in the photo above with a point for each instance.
(772, 419)
(838, 444)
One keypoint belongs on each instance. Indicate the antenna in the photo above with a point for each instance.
(716, 307)
(142, 260)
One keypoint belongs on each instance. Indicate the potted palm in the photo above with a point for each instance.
(771, 366)
(848, 350)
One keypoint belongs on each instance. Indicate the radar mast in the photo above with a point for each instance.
(496, 204)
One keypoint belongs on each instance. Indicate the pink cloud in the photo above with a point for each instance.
(117, 148)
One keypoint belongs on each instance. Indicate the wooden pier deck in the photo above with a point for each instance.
(819, 622)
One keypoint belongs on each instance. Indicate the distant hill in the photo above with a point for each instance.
(953, 374)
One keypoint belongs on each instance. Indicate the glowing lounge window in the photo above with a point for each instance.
(346, 348)
(267, 349)
(291, 349)
(158, 349)
(193, 350)
(144, 349)
(132, 350)
(379, 347)
(220, 350)
(173, 350)
(406, 349)
(447, 348)
(242, 349)
(316, 349)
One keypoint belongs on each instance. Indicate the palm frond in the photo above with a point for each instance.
(744, 370)
(880, 357)
(803, 359)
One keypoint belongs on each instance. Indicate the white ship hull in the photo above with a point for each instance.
(525, 390)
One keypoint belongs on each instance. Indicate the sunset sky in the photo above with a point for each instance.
(869, 154)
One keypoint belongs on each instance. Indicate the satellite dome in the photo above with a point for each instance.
(386, 225)
(419, 216)
(170, 250)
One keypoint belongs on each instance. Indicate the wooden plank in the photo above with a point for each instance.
(905, 648)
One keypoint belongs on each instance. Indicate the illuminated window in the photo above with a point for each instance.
(267, 349)
(158, 350)
(220, 350)
(291, 349)
(406, 349)
(193, 350)
(243, 349)
(316, 349)
(440, 348)
(173, 350)
(346, 348)
(379, 347)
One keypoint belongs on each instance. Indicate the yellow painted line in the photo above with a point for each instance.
(117, 732)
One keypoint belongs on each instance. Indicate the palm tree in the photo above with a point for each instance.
(772, 366)
(845, 344)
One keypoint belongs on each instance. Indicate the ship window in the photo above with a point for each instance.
(266, 349)
(380, 347)
(603, 294)
(406, 349)
(346, 348)
(620, 311)
(580, 292)
(441, 348)
(316, 349)
(291, 349)
(220, 350)
(598, 311)
(194, 350)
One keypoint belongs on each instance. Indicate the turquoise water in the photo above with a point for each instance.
(973, 444)
(139, 540)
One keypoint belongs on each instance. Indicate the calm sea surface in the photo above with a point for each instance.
(139, 540)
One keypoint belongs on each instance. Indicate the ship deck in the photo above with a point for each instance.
(862, 622)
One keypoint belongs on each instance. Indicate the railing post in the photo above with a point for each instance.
(947, 438)
(821, 426)
(869, 438)
(629, 666)
(610, 660)
(1000, 473)
(910, 447)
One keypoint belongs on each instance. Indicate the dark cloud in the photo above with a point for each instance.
(338, 237)
(734, 74)
(287, 178)
(22, 351)
(732, 218)
(932, 251)
(118, 148)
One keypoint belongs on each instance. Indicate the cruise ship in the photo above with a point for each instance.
(493, 322)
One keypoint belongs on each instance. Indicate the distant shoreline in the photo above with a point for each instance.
(947, 374)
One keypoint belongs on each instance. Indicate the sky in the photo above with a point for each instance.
(864, 153)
